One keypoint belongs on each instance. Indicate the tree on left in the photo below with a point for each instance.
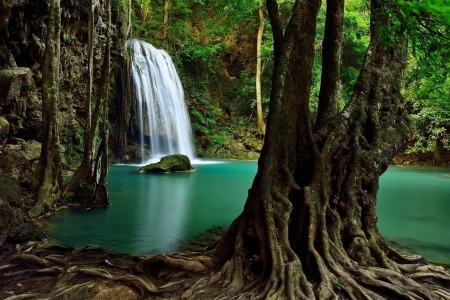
(47, 178)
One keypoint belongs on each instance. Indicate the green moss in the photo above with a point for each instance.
(170, 163)
(9, 190)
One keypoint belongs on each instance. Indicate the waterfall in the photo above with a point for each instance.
(165, 127)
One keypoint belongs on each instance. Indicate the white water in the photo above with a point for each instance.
(164, 121)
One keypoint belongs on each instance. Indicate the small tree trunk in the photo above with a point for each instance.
(91, 32)
(101, 188)
(129, 20)
(261, 124)
(47, 179)
(166, 18)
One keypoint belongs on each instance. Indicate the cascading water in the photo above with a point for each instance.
(165, 127)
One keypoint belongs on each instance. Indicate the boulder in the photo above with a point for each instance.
(134, 154)
(11, 218)
(10, 190)
(4, 127)
(23, 233)
(14, 81)
(168, 164)
(14, 163)
(17, 85)
(32, 150)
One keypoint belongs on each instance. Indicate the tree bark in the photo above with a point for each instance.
(261, 123)
(47, 179)
(101, 186)
(166, 18)
(329, 95)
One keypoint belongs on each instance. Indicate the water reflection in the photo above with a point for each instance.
(164, 209)
(152, 212)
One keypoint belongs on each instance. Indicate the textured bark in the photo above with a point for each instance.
(101, 166)
(47, 179)
(329, 95)
(261, 123)
(91, 32)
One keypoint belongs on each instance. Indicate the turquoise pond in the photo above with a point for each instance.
(153, 212)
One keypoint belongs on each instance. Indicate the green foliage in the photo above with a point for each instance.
(355, 41)
(244, 89)
(120, 4)
(427, 88)
(204, 114)
(428, 99)
(207, 54)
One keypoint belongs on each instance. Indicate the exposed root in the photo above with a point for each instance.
(31, 259)
(8, 266)
(183, 264)
(73, 290)
(23, 296)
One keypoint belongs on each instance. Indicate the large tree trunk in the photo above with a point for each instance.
(309, 228)
(47, 179)
(261, 123)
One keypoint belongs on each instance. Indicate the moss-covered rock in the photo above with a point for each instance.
(23, 233)
(15, 227)
(14, 163)
(168, 164)
(9, 216)
(9, 190)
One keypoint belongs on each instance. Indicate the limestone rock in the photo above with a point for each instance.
(14, 163)
(17, 85)
(4, 127)
(32, 150)
(9, 216)
(10, 190)
(168, 164)
(134, 154)
(13, 82)
(23, 233)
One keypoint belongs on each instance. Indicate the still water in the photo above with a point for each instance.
(153, 212)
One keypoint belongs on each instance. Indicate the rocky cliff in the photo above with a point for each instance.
(22, 44)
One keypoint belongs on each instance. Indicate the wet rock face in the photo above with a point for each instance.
(168, 164)
(23, 32)
(15, 95)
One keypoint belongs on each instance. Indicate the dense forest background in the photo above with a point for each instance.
(214, 46)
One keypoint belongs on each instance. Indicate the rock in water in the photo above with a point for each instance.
(168, 164)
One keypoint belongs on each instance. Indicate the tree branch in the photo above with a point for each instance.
(275, 22)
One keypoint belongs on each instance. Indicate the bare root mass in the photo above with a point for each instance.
(52, 271)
